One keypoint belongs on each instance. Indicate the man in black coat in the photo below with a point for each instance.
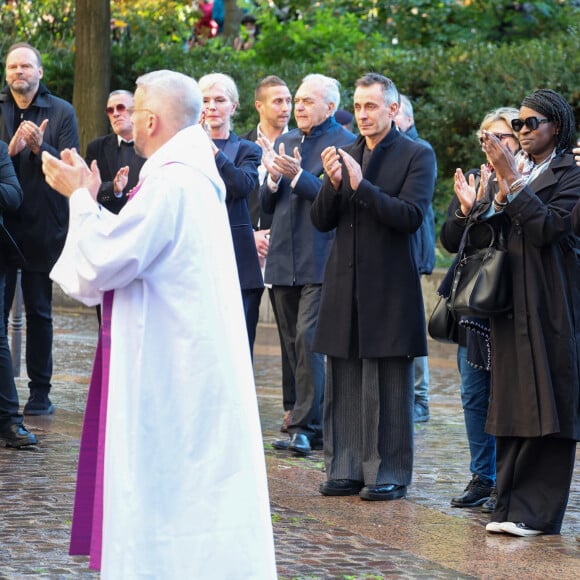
(32, 121)
(371, 323)
(118, 163)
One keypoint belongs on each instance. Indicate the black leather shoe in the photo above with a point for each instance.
(15, 435)
(488, 506)
(383, 492)
(300, 444)
(474, 494)
(341, 487)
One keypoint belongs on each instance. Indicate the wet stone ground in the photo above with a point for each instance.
(316, 537)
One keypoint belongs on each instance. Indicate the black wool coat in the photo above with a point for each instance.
(536, 349)
(372, 304)
(40, 224)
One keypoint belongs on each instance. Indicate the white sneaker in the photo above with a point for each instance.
(519, 530)
(494, 527)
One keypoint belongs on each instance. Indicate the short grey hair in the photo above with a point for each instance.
(178, 94)
(390, 92)
(405, 105)
(331, 87)
(120, 92)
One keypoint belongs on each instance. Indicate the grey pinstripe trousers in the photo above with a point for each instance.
(368, 420)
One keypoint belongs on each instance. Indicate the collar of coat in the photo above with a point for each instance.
(320, 129)
(41, 98)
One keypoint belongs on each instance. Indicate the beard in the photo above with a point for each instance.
(22, 87)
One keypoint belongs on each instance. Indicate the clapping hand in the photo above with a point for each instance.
(70, 173)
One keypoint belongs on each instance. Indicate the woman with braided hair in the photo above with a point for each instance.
(534, 409)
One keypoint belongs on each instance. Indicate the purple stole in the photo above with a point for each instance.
(87, 524)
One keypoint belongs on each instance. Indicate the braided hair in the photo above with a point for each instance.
(556, 109)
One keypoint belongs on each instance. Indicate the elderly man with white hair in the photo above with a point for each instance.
(298, 252)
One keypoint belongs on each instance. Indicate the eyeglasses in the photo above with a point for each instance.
(532, 123)
(500, 136)
(120, 108)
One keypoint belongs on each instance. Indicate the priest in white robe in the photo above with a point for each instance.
(172, 480)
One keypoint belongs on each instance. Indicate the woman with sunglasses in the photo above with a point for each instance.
(473, 353)
(534, 410)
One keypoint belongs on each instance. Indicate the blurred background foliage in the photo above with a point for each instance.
(455, 59)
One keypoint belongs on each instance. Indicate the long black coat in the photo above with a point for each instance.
(536, 349)
(372, 266)
(40, 224)
(10, 199)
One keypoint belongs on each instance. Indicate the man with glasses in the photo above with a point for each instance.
(114, 153)
(33, 121)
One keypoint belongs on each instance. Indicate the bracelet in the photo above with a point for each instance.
(499, 203)
(517, 184)
(459, 215)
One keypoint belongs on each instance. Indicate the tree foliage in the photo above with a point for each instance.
(456, 59)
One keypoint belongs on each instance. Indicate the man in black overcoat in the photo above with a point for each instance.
(371, 323)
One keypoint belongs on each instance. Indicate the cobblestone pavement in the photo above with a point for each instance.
(316, 537)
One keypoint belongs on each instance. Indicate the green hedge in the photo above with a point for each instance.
(452, 86)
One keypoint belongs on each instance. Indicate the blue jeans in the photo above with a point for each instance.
(421, 380)
(475, 390)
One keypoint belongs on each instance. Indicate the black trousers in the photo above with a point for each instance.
(37, 298)
(8, 394)
(288, 384)
(533, 481)
(251, 303)
(297, 313)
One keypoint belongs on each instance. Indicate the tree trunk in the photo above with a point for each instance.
(232, 17)
(92, 68)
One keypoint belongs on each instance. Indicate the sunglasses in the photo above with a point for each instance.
(532, 123)
(500, 136)
(120, 108)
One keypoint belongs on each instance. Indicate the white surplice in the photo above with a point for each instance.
(185, 487)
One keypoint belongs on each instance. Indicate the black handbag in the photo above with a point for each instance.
(481, 284)
(442, 325)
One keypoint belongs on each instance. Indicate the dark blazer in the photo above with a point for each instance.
(40, 224)
(371, 294)
(237, 163)
(260, 219)
(105, 150)
(298, 251)
(535, 375)
(10, 200)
